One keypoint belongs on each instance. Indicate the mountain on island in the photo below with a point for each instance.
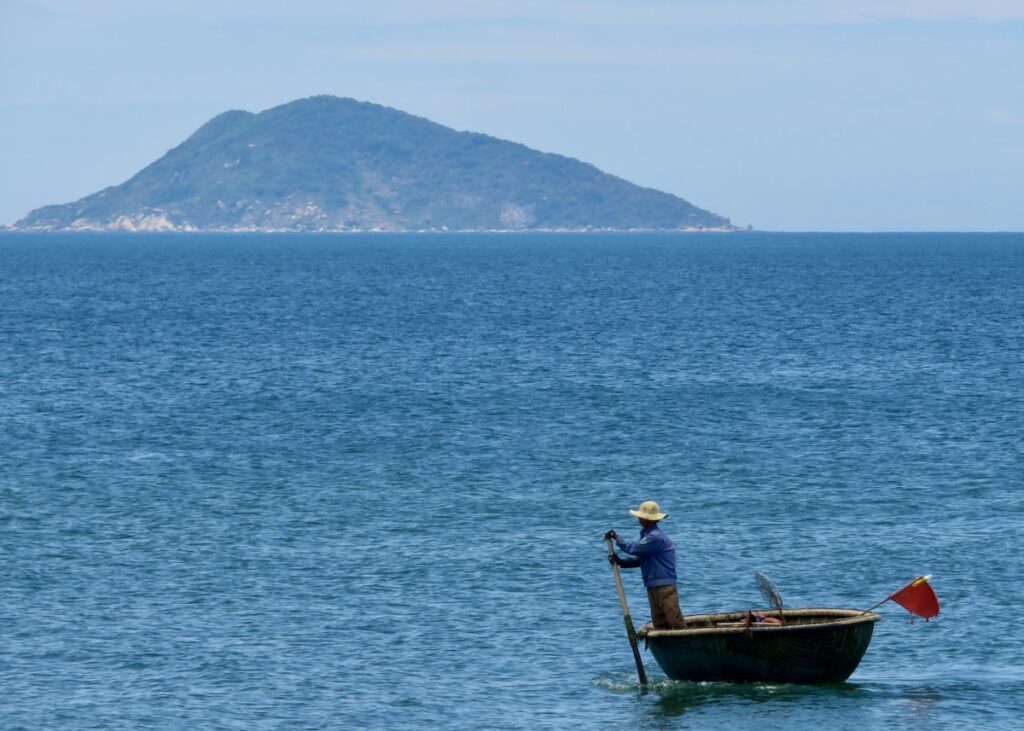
(332, 164)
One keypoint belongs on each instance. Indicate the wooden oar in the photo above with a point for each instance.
(625, 615)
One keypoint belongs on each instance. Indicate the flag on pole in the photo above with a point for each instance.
(918, 598)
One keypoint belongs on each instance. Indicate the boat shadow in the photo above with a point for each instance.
(675, 697)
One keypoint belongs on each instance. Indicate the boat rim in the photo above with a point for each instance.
(834, 618)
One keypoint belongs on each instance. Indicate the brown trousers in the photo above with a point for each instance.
(665, 610)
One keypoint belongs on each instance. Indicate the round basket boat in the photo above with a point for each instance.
(813, 646)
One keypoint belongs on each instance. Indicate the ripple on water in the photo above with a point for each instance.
(361, 482)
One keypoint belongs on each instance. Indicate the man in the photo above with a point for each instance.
(655, 554)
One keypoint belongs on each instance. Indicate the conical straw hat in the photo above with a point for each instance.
(649, 510)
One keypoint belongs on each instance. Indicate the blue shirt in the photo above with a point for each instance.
(654, 553)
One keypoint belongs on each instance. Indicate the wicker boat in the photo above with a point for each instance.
(813, 646)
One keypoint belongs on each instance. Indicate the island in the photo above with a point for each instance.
(332, 164)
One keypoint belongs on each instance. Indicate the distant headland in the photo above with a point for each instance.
(332, 164)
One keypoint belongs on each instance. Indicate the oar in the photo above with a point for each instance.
(625, 615)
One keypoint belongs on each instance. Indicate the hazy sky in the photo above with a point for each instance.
(790, 114)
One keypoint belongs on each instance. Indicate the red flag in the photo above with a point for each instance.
(918, 598)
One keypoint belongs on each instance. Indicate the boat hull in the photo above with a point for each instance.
(814, 646)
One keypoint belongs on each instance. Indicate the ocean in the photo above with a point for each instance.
(361, 481)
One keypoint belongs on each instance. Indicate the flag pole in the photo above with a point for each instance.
(877, 605)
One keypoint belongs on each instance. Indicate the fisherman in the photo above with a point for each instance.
(655, 554)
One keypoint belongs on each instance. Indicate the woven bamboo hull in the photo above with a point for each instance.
(814, 646)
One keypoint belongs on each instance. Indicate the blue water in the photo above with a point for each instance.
(332, 482)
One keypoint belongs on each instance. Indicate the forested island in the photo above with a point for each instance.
(332, 164)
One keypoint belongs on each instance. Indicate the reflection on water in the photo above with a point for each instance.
(919, 703)
(674, 698)
(664, 699)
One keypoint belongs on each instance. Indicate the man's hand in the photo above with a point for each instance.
(613, 559)
(610, 536)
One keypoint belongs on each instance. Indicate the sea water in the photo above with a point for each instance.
(332, 482)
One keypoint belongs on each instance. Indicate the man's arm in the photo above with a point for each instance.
(627, 563)
(641, 548)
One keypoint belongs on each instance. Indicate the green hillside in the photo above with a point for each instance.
(326, 163)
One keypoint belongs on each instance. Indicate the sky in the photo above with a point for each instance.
(797, 115)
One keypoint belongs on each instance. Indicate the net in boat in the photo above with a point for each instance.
(768, 590)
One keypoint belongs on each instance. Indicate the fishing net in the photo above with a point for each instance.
(768, 590)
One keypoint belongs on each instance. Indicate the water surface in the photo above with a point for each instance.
(361, 481)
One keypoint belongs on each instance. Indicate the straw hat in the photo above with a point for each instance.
(649, 510)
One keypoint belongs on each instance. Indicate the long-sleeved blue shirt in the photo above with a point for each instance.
(654, 553)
